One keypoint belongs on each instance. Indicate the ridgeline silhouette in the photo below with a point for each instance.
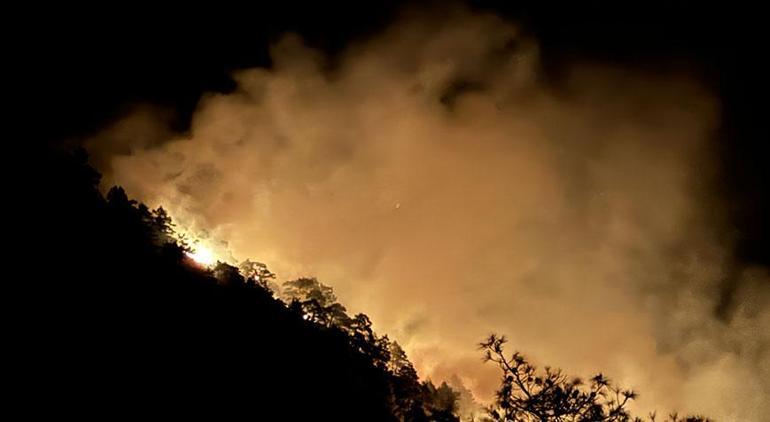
(123, 323)
(118, 322)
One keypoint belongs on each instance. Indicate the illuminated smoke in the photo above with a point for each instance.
(441, 187)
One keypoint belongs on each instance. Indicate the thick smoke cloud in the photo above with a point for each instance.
(439, 185)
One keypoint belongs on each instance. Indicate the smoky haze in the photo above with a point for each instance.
(433, 178)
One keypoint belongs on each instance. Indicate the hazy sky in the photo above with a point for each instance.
(433, 179)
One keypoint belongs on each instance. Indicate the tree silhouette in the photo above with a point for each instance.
(317, 302)
(440, 402)
(258, 273)
(528, 394)
(410, 400)
(406, 384)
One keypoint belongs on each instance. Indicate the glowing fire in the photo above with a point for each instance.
(202, 255)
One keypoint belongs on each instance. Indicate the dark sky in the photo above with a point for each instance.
(87, 65)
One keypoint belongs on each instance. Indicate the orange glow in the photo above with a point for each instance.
(202, 255)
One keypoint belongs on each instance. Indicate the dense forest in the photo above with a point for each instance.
(119, 322)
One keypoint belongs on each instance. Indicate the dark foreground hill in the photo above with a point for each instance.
(119, 323)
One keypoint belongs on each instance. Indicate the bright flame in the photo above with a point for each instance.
(203, 256)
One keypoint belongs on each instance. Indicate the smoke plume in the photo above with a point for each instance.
(443, 186)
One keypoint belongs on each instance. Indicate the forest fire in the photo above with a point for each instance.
(202, 255)
(399, 213)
